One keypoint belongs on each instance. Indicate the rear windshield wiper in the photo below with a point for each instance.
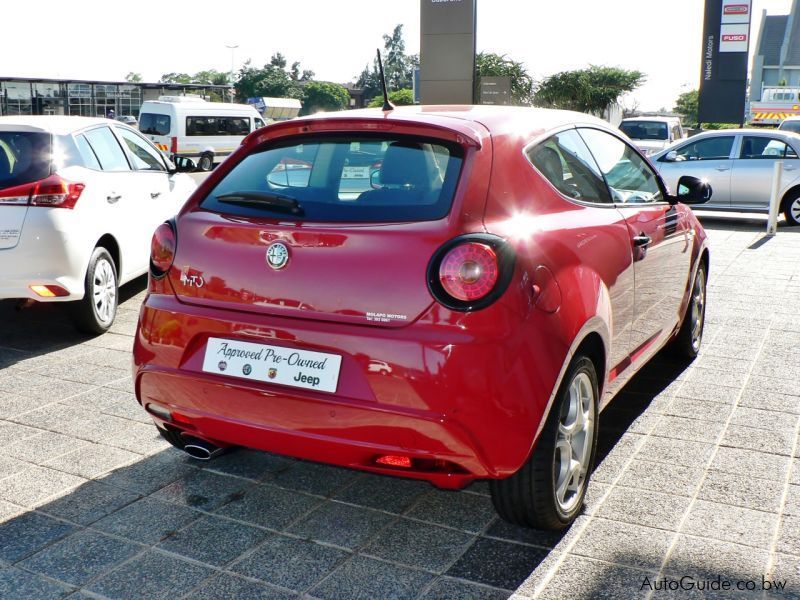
(279, 202)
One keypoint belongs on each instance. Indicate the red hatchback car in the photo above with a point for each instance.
(443, 293)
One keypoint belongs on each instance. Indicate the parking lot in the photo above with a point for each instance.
(699, 476)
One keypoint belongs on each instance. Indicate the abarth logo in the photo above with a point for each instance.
(272, 373)
(277, 255)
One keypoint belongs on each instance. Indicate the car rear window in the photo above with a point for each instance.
(153, 124)
(24, 157)
(343, 179)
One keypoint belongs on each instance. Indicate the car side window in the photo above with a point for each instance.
(107, 149)
(629, 177)
(259, 123)
(765, 147)
(86, 152)
(566, 162)
(143, 156)
(713, 148)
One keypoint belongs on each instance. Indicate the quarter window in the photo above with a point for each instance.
(714, 148)
(86, 152)
(107, 149)
(629, 177)
(765, 147)
(566, 162)
(143, 156)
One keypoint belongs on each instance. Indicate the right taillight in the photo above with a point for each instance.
(162, 249)
(53, 191)
(471, 272)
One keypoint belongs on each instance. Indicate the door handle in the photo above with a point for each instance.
(721, 168)
(113, 198)
(788, 167)
(155, 194)
(642, 240)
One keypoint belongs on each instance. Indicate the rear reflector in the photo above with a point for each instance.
(49, 291)
(174, 147)
(394, 461)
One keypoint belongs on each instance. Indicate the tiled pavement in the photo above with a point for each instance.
(699, 476)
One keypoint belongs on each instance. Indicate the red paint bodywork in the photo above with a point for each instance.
(468, 392)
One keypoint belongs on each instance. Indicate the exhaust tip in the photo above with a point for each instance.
(201, 449)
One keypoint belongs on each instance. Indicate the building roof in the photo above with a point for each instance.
(772, 38)
(142, 84)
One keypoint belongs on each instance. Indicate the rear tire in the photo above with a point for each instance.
(686, 344)
(548, 491)
(791, 209)
(95, 313)
(206, 162)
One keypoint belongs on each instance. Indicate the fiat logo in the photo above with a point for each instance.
(277, 255)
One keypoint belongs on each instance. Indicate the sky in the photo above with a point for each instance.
(89, 39)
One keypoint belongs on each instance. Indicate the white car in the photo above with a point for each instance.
(652, 134)
(79, 201)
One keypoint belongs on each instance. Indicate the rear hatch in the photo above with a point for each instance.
(332, 227)
(25, 157)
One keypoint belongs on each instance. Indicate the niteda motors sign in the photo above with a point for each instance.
(726, 41)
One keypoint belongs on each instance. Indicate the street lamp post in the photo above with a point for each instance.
(232, 48)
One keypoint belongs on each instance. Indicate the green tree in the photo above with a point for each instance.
(686, 106)
(403, 97)
(133, 77)
(488, 64)
(398, 67)
(212, 77)
(324, 96)
(273, 80)
(591, 90)
(175, 78)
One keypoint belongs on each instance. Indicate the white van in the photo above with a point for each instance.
(189, 126)
(652, 134)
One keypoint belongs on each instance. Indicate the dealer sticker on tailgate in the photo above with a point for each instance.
(273, 364)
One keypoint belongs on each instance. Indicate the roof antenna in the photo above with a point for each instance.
(386, 104)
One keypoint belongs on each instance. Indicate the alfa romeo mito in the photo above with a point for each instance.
(465, 314)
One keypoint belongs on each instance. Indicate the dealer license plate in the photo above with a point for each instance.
(273, 364)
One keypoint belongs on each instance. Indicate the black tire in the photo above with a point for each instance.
(791, 209)
(206, 162)
(529, 497)
(173, 437)
(686, 344)
(94, 315)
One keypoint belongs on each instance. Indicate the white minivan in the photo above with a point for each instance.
(189, 126)
(652, 134)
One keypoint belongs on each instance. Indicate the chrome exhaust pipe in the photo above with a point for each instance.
(201, 449)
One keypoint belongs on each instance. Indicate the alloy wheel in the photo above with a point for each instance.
(698, 309)
(794, 209)
(574, 442)
(104, 290)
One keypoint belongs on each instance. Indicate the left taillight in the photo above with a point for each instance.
(54, 191)
(162, 249)
(470, 272)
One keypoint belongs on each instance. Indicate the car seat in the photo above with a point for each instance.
(548, 162)
(404, 170)
(5, 165)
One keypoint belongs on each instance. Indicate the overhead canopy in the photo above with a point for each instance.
(277, 109)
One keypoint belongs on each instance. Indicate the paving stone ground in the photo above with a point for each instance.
(698, 476)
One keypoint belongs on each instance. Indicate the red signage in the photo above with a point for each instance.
(734, 38)
(737, 9)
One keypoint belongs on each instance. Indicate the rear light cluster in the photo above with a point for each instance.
(162, 249)
(470, 272)
(54, 191)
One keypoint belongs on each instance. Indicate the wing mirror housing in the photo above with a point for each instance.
(183, 164)
(671, 156)
(692, 190)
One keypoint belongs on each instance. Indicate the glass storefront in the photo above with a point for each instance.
(88, 99)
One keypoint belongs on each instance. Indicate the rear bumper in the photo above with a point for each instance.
(466, 406)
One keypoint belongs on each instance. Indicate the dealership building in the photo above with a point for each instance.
(22, 96)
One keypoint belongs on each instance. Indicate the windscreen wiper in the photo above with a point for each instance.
(279, 202)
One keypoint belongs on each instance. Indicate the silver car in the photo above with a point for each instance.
(739, 165)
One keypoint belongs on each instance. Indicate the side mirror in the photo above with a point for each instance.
(692, 190)
(183, 164)
(671, 156)
(375, 179)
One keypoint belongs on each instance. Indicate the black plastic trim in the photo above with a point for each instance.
(506, 259)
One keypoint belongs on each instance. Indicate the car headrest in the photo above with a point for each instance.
(404, 165)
